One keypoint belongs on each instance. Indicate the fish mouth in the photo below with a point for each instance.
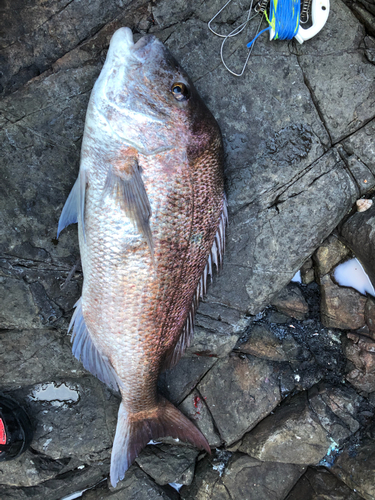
(122, 45)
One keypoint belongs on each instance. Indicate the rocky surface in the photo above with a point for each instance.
(356, 466)
(270, 363)
(320, 484)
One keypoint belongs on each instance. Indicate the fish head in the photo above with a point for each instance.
(144, 99)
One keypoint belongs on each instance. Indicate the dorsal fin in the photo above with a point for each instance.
(84, 349)
(215, 257)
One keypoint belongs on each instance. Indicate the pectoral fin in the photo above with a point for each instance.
(124, 181)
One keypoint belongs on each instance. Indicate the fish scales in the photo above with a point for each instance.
(149, 202)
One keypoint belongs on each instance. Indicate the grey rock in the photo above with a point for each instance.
(366, 17)
(303, 430)
(277, 317)
(15, 295)
(290, 301)
(77, 479)
(358, 234)
(195, 408)
(330, 253)
(341, 307)
(370, 47)
(343, 110)
(362, 174)
(355, 466)
(362, 145)
(361, 352)
(30, 469)
(270, 235)
(135, 486)
(370, 316)
(242, 477)
(307, 272)
(239, 391)
(41, 34)
(337, 409)
(217, 329)
(79, 422)
(247, 478)
(207, 484)
(263, 343)
(293, 434)
(36, 355)
(320, 484)
(176, 383)
(168, 464)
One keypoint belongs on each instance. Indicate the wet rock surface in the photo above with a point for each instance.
(270, 362)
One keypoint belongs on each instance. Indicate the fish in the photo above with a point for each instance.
(151, 210)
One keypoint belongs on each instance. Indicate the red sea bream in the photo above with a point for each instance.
(150, 205)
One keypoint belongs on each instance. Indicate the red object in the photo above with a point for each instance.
(3, 434)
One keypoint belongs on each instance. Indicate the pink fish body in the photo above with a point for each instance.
(151, 212)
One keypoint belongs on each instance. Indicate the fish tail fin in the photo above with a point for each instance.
(134, 431)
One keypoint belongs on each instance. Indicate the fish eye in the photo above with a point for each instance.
(180, 91)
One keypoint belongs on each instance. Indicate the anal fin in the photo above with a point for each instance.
(84, 349)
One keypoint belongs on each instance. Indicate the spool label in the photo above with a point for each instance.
(3, 435)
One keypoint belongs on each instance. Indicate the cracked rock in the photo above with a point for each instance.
(320, 484)
(36, 355)
(239, 391)
(168, 464)
(242, 478)
(195, 408)
(341, 307)
(177, 382)
(291, 302)
(30, 469)
(343, 109)
(135, 486)
(263, 343)
(359, 235)
(293, 434)
(303, 430)
(78, 422)
(330, 253)
(77, 479)
(356, 466)
(361, 352)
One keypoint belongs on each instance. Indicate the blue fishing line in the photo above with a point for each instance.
(253, 40)
(284, 19)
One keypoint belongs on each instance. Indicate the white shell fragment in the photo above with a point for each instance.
(363, 205)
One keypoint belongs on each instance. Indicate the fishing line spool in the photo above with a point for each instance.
(284, 20)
